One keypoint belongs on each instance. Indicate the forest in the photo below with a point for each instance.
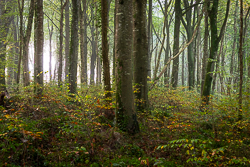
(125, 83)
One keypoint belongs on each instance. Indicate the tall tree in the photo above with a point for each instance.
(126, 117)
(178, 15)
(83, 39)
(73, 48)
(26, 40)
(50, 49)
(67, 35)
(140, 54)
(205, 46)
(61, 43)
(5, 20)
(241, 61)
(93, 44)
(189, 27)
(149, 35)
(215, 39)
(230, 78)
(38, 58)
(105, 51)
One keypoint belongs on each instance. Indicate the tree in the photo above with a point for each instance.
(241, 61)
(93, 44)
(140, 55)
(215, 39)
(50, 49)
(178, 13)
(61, 43)
(38, 58)
(67, 35)
(205, 46)
(26, 40)
(189, 27)
(105, 51)
(83, 39)
(5, 21)
(149, 36)
(73, 48)
(126, 117)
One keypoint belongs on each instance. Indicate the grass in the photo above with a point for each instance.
(56, 130)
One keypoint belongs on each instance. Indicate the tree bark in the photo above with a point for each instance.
(67, 36)
(83, 39)
(38, 58)
(125, 110)
(105, 51)
(241, 61)
(73, 48)
(175, 69)
(61, 44)
(140, 55)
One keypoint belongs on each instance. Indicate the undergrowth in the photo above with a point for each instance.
(58, 130)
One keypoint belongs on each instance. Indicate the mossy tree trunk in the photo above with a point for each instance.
(126, 117)
(215, 39)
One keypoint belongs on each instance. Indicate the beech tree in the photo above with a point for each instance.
(126, 117)
(140, 55)
(73, 48)
(38, 57)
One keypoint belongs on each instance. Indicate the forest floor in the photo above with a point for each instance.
(55, 130)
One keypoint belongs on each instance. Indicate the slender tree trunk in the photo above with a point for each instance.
(140, 55)
(16, 36)
(182, 65)
(20, 7)
(93, 56)
(105, 51)
(149, 38)
(73, 48)
(61, 44)
(205, 47)
(229, 84)
(50, 50)
(67, 31)
(26, 40)
(83, 44)
(126, 117)
(38, 58)
(175, 69)
(241, 61)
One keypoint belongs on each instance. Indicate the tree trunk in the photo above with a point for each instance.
(38, 58)
(229, 84)
(140, 55)
(241, 61)
(149, 37)
(215, 39)
(5, 21)
(105, 51)
(61, 44)
(73, 48)
(93, 56)
(175, 69)
(83, 39)
(205, 47)
(50, 50)
(125, 110)
(67, 35)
